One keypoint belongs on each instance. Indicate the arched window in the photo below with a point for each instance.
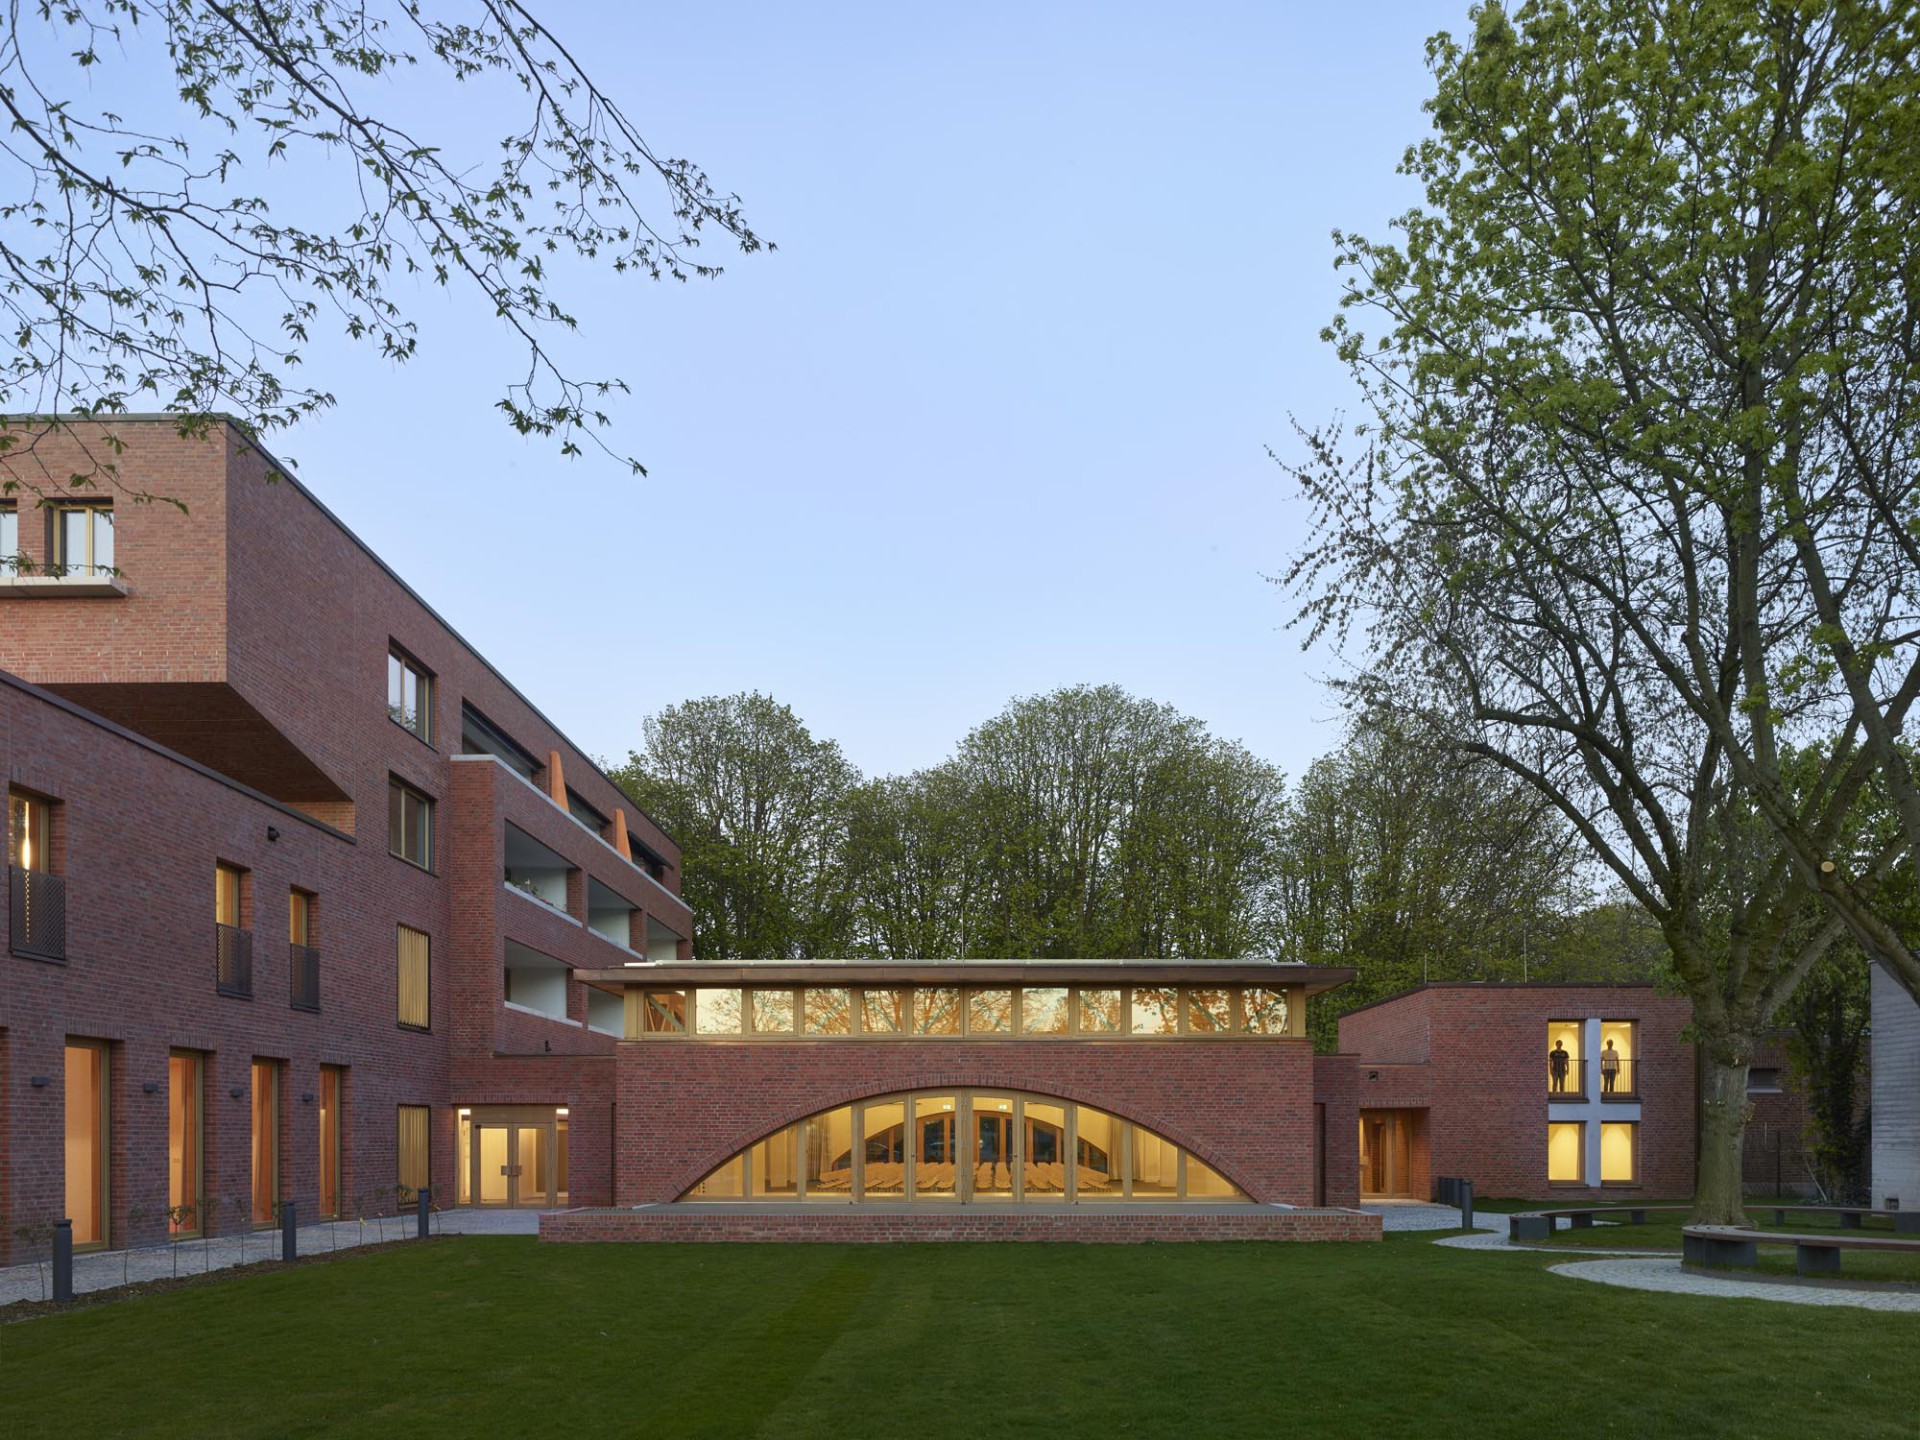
(965, 1146)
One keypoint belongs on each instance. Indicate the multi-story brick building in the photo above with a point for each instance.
(231, 716)
(262, 800)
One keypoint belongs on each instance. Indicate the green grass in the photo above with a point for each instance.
(1662, 1232)
(501, 1336)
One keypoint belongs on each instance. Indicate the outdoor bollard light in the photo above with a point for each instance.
(63, 1260)
(420, 1203)
(1466, 1204)
(289, 1235)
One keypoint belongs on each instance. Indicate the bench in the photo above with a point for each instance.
(1730, 1247)
(1852, 1217)
(1540, 1224)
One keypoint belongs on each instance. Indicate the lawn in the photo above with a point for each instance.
(1662, 1232)
(502, 1336)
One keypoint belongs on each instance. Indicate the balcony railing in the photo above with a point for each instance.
(233, 962)
(1617, 1079)
(37, 915)
(303, 977)
(1569, 1082)
(1568, 1079)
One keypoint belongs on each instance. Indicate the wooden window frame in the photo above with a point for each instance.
(401, 987)
(406, 792)
(426, 691)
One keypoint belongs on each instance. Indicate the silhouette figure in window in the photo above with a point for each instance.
(1609, 1068)
(1558, 1063)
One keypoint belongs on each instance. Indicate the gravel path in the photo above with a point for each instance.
(109, 1269)
(1648, 1273)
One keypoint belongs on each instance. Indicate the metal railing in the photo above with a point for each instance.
(1616, 1078)
(1567, 1079)
(1608, 1079)
(233, 962)
(37, 915)
(303, 977)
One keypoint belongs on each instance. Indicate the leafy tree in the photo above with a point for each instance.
(143, 266)
(1634, 502)
(1414, 861)
(1828, 1020)
(760, 810)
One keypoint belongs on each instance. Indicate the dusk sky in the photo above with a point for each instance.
(990, 421)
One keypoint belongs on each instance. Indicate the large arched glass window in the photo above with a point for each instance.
(965, 1146)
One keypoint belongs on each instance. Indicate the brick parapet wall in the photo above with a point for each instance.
(1243, 1106)
(852, 1226)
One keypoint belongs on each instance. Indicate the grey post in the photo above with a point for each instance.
(420, 1204)
(1466, 1204)
(289, 1233)
(63, 1260)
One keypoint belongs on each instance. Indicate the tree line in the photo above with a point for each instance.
(1091, 823)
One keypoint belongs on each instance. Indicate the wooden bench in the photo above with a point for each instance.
(1731, 1247)
(1852, 1217)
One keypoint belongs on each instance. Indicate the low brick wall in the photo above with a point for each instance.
(857, 1227)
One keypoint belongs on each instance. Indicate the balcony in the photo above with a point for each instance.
(303, 977)
(1569, 1084)
(536, 871)
(1567, 1080)
(233, 962)
(38, 915)
(1617, 1079)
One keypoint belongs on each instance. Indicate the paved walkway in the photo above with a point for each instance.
(1650, 1273)
(108, 1269)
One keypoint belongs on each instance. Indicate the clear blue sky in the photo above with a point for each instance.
(992, 418)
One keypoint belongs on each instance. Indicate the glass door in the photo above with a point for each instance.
(936, 1137)
(493, 1164)
(994, 1152)
(514, 1165)
(533, 1165)
(1043, 1151)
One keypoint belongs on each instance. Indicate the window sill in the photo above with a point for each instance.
(413, 1029)
(406, 860)
(23, 953)
(1620, 1097)
(63, 587)
(409, 730)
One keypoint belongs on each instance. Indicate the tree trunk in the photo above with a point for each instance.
(1723, 1130)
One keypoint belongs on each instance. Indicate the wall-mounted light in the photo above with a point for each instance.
(307, 1099)
(239, 1092)
(463, 1114)
(561, 1111)
(1373, 1074)
(40, 1082)
(152, 1087)
(273, 833)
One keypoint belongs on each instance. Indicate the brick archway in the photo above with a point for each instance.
(1243, 1107)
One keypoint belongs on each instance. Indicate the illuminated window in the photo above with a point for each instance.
(716, 1012)
(409, 694)
(266, 1142)
(936, 1011)
(414, 1150)
(1566, 1153)
(963, 1146)
(229, 894)
(299, 917)
(1155, 1010)
(89, 1123)
(415, 956)
(1265, 1011)
(1100, 1012)
(29, 828)
(883, 1012)
(773, 1012)
(409, 824)
(1209, 1011)
(1566, 1075)
(185, 1168)
(828, 1012)
(82, 540)
(1619, 1147)
(663, 1012)
(990, 1012)
(1043, 1011)
(1617, 1046)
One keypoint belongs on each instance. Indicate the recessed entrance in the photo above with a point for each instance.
(965, 1147)
(1386, 1154)
(513, 1157)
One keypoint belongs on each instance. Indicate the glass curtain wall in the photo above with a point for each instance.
(969, 1146)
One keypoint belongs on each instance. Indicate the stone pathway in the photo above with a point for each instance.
(1649, 1273)
(109, 1269)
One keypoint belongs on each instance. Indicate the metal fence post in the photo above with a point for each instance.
(289, 1232)
(420, 1204)
(1466, 1204)
(63, 1260)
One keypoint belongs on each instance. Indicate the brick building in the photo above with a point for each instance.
(221, 720)
(1532, 1090)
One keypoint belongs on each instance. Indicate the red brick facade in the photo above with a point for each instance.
(1245, 1107)
(235, 710)
(1467, 1066)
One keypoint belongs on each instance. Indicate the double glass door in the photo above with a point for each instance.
(513, 1164)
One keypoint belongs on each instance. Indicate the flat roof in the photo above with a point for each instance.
(1315, 978)
(1507, 985)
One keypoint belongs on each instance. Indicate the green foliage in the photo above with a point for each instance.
(143, 267)
(760, 810)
